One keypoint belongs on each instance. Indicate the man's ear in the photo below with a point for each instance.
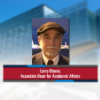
(39, 39)
(62, 38)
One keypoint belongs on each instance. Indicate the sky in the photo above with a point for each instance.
(12, 8)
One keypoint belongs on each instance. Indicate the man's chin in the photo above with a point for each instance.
(51, 54)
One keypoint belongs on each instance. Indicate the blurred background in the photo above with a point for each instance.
(16, 46)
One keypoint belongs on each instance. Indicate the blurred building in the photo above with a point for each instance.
(98, 23)
(84, 24)
(16, 33)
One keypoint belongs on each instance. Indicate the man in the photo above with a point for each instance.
(50, 36)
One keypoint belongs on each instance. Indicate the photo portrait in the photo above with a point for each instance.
(50, 41)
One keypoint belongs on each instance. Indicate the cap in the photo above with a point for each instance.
(49, 25)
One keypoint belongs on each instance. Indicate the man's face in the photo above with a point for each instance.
(50, 42)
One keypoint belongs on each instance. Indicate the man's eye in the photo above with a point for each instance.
(56, 37)
(47, 37)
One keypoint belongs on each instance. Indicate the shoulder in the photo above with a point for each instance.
(34, 57)
(64, 60)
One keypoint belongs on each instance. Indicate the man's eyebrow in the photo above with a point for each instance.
(58, 34)
(46, 34)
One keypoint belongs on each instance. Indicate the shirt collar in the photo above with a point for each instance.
(55, 59)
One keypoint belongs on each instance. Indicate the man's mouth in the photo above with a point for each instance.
(51, 47)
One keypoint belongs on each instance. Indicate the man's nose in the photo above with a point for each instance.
(52, 41)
